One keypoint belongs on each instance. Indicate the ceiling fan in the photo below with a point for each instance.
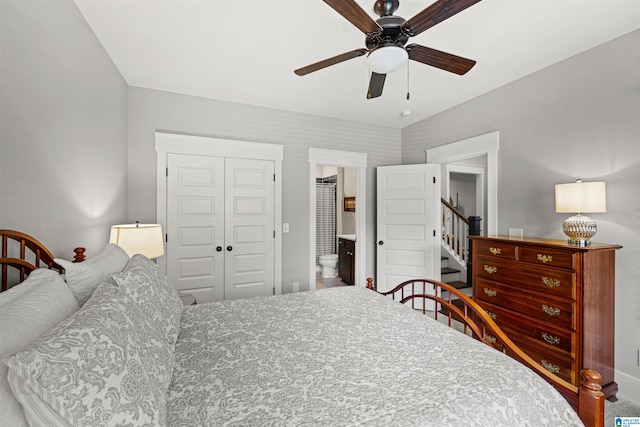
(387, 36)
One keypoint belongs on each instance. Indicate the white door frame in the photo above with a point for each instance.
(166, 143)
(478, 173)
(342, 159)
(482, 145)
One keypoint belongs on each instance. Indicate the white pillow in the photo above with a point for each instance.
(14, 292)
(84, 277)
(43, 302)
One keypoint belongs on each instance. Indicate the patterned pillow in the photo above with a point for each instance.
(148, 287)
(104, 365)
(42, 302)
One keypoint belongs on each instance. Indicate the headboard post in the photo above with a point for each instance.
(79, 256)
(370, 283)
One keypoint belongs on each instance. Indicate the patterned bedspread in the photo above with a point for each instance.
(346, 356)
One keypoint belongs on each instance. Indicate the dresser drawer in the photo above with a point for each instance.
(496, 249)
(536, 333)
(555, 311)
(547, 256)
(551, 281)
(552, 362)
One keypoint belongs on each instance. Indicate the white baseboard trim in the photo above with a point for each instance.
(629, 387)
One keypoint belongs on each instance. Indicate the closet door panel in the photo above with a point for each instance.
(195, 224)
(249, 228)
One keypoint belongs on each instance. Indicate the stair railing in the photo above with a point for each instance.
(455, 231)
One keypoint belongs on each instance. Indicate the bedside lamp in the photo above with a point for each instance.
(578, 198)
(145, 239)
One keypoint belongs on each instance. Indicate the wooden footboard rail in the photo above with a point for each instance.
(477, 323)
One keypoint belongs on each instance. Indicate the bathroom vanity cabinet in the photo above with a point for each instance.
(346, 260)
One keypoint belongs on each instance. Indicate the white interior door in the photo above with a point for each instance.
(195, 225)
(249, 229)
(408, 208)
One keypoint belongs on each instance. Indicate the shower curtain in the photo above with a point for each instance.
(325, 218)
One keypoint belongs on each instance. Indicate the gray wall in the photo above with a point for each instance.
(151, 110)
(579, 118)
(63, 128)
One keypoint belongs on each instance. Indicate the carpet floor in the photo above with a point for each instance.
(621, 408)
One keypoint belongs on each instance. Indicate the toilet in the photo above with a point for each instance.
(329, 265)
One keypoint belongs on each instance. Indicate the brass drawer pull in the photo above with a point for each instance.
(550, 339)
(492, 315)
(495, 251)
(490, 339)
(490, 269)
(552, 283)
(490, 292)
(554, 369)
(545, 258)
(551, 311)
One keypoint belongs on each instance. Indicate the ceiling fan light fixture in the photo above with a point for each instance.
(387, 59)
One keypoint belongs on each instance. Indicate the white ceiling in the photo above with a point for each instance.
(245, 51)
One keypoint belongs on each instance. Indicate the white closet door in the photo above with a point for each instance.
(249, 229)
(195, 225)
(408, 209)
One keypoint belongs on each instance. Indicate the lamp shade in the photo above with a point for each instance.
(145, 239)
(581, 197)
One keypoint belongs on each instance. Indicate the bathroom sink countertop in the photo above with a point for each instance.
(347, 236)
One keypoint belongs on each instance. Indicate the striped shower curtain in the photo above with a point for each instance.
(325, 219)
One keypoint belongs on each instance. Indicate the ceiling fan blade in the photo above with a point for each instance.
(434, 14)
(355, 14)
(443, 60)
(330, 61)
(375, 85)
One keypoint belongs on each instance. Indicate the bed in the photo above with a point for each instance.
(341, 356)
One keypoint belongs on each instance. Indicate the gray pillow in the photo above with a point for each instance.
(104, 365)
(149, 288)
(37, 305)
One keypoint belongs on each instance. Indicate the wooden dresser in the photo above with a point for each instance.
(555, 300)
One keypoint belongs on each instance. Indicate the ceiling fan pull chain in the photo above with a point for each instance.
(408, 96)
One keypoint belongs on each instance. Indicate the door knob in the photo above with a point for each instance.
(218, 248)
(381, 242)
(229, 248)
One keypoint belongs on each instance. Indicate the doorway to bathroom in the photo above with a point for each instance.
(323, 164)
(335, 225)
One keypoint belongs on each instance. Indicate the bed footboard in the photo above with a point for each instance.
(467, 315)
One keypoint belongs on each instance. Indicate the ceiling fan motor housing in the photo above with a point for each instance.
(391, 34)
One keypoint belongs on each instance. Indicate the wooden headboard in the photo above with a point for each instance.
(21, 254)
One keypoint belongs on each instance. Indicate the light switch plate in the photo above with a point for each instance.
(285, 227)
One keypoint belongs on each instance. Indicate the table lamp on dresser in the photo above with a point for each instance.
(578, 198)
